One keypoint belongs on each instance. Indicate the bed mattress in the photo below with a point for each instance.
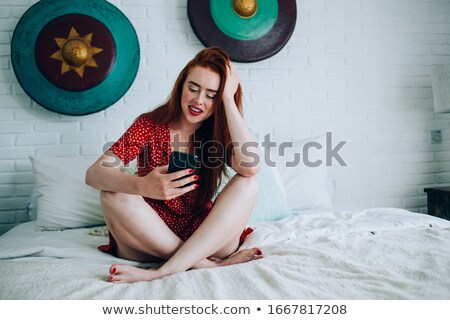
(381, 253)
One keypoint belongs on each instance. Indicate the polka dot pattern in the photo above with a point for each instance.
(150, 143)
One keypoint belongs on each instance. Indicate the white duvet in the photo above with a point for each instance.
(379, 253)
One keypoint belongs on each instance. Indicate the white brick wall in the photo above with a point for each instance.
(358, 68)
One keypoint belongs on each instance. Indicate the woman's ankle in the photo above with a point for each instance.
(164, 271)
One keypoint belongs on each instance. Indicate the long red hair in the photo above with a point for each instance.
(213, 134)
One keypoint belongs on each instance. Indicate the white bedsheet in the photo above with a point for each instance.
(381, 253)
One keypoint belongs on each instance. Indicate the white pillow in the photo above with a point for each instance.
(63, 199)
(271, 203)
(306, 187)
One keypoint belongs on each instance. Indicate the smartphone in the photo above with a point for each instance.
(180, 160)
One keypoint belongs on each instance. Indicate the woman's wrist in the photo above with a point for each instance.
(227, 101)
(137, 185)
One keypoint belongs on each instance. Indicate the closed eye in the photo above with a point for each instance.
(208, 95)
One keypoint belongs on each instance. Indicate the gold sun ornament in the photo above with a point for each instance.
(75, 52)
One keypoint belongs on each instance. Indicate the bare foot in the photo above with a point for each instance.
(205, 263)
(123, 273)
(242, 256)
(237, 257)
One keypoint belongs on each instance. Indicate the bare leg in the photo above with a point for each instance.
(129, 219)
(223, 225)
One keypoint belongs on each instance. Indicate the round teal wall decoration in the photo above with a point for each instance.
(249, 30)
(75, 57)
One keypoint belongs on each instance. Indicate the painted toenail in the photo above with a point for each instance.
(259, 252)
(113, 270)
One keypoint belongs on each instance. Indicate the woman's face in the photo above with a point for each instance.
(198, 94)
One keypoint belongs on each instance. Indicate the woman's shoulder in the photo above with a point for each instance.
(146, 120)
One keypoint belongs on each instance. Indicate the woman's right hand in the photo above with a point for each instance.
(160, 185)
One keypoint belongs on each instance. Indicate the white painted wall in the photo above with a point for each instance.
(358, 68)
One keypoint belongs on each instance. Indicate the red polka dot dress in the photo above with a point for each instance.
(150, 143)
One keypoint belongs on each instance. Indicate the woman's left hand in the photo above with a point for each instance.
(232, 82)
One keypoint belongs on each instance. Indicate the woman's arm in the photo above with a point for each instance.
(105, 175)
(245, 156)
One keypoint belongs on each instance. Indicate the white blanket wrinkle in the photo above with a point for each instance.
(381, 253)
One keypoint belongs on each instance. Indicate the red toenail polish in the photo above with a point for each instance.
(196, 186)
(196, 177)
(191, 171)
(259, 252)
(114, 270)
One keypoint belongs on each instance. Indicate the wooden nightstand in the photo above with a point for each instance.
(438, 202)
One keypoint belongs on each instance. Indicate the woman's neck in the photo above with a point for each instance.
(183, 127)
(181, 136)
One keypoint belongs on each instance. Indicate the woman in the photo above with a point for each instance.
(154, 216)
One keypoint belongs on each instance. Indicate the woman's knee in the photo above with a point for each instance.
(109, 198)
(247, 184)
(114, 204)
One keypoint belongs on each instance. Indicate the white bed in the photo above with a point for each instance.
(381, 253)
(318, 253)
